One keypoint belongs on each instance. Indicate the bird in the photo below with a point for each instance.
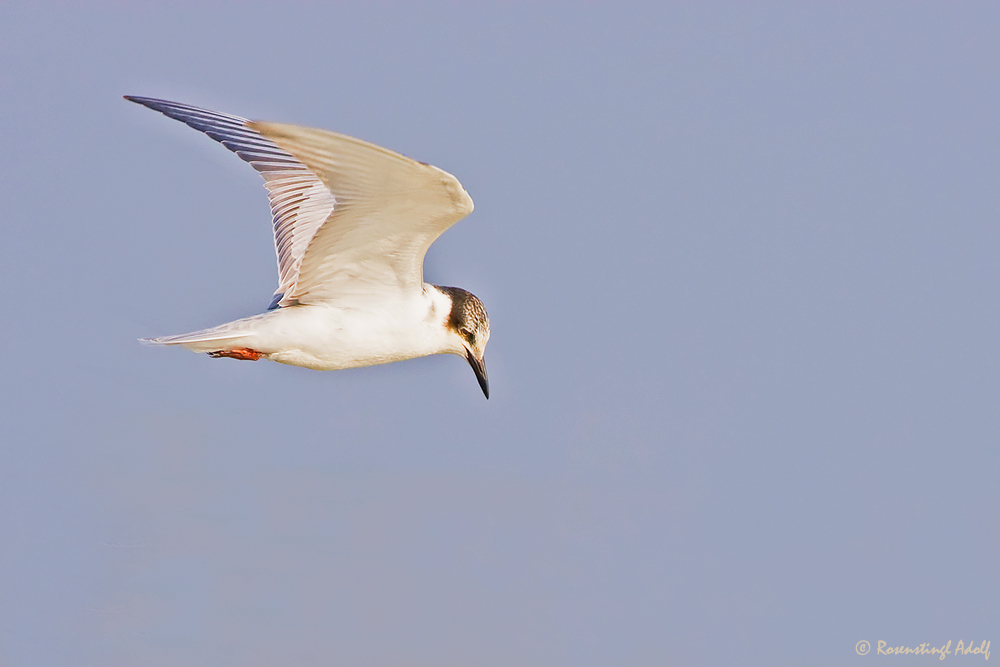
(352, 223)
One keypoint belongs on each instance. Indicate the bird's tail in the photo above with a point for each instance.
(223, 337)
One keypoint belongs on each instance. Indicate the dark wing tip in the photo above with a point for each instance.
(157, 104)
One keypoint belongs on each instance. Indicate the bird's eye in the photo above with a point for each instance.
(466, 333)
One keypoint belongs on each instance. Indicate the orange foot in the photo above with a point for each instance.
(244, 353)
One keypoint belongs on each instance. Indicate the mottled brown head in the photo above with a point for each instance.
(469, 320)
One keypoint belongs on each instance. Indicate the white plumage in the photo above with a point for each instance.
(352, 223)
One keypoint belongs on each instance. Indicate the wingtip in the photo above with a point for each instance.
(137, 99)
(151, 102)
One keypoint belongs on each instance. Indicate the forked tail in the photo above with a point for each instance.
(223, 337)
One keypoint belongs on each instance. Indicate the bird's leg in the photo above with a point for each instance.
(244, 353)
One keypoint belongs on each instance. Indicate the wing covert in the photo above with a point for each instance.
(350, 218)
(390, 209)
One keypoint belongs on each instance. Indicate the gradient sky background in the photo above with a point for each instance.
(741, 267)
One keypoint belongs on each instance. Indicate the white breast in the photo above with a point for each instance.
(326, 337)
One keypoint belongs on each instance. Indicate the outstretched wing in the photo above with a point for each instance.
(351, 219)
(300, 202)
(390, 209)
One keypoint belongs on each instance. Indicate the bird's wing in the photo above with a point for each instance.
(389, 210)
(300, 202)
(350, 218)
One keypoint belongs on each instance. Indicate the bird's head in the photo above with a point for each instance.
(469, 322)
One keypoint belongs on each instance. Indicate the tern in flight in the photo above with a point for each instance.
(352, 223)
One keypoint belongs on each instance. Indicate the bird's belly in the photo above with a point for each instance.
(329, 341)
(333, 360)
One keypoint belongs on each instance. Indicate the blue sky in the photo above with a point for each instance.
(740, 264)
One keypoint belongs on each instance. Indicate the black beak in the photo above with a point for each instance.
(479, 367)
